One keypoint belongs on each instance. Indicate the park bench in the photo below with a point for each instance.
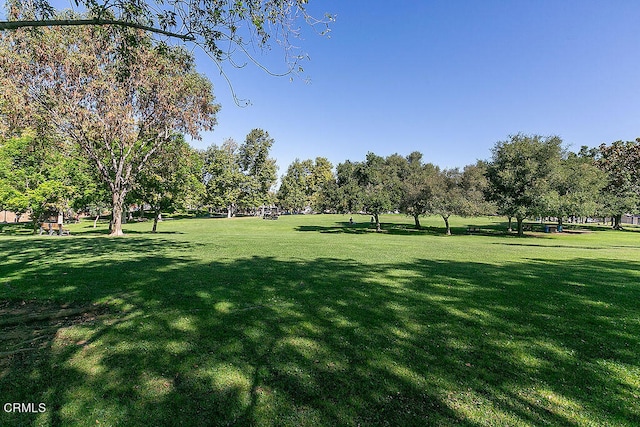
(270, 216)
(52, 228)
(473, 229)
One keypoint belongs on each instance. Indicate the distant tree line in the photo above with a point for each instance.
(527, 176)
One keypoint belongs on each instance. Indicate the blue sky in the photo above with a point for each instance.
(446, 78)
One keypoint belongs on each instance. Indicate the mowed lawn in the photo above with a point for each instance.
(308, 321)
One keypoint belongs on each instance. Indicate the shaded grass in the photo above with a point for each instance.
(253, 322)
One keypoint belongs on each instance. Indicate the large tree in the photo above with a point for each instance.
(578, 187)
(222, 176)
(170, 180)
(259, 169)
(621, 163)
(303, 184)
(418, 187)
(119, 112)
(521, 175)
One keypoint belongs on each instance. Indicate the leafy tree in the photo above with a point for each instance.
(447, 196)
(227, 30)
(223, 177)
(521, 173)
(303, 183)
(34, 177)
(119, 115)
(259, 169)
(348, 193)
(377, 185)
(418, 187)
(170, 179)
(621, 163)
(578, 186)
(294, 191)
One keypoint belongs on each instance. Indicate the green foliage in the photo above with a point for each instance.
(304, 183)
(259, 169)
(77, 85)
(37, 176)
(521, 174)
(621, 163)
(222, 176)
(171, 180)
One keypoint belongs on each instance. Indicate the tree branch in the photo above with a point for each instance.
(12, 25)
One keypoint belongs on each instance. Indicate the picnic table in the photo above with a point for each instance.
(51, 228)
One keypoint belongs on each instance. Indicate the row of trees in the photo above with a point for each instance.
(528, 176)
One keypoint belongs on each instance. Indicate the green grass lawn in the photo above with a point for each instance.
(307, 321)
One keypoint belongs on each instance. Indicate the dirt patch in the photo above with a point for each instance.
(27, 326)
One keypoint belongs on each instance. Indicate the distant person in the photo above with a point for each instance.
(351, 221)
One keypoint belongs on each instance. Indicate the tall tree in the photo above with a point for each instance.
(119, 112)
(520, 174)
(377, 185)
(418, 187)
(294, 192)
(223, 177)
(303, 184)
(578, 187)
(171, 179)
(621, 163)
(258, 168)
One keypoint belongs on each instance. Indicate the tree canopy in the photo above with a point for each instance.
(227, 30)
(71, 83)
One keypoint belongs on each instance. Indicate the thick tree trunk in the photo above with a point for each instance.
(156, 217)
(510, 229)
(617, 222)
(520, 229)
(230, 211)
(446, 224)
(417, 221)
(116, 214)
(377, 219)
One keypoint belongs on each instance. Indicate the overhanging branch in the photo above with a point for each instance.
(12, 25)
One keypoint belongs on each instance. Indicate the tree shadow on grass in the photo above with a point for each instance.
(327, 341)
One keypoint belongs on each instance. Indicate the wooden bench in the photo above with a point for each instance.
(473, 229)
(270, 216)
(51, 228)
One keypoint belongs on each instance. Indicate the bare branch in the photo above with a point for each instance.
(13, 25)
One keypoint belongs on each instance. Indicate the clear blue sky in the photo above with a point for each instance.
(446, 78)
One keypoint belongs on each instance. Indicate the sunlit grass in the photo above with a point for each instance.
(310, 321)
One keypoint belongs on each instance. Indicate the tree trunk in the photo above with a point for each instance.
(95, 223)
(377, 219)
(560, 221)
(156, 217)
(509, 229)
(446, 224)
(116, 214)
(417, 220)
(230, 211)
(617, 222)
(520, 229)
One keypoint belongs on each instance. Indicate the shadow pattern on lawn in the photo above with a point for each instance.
(397, 229)
(261, 341)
